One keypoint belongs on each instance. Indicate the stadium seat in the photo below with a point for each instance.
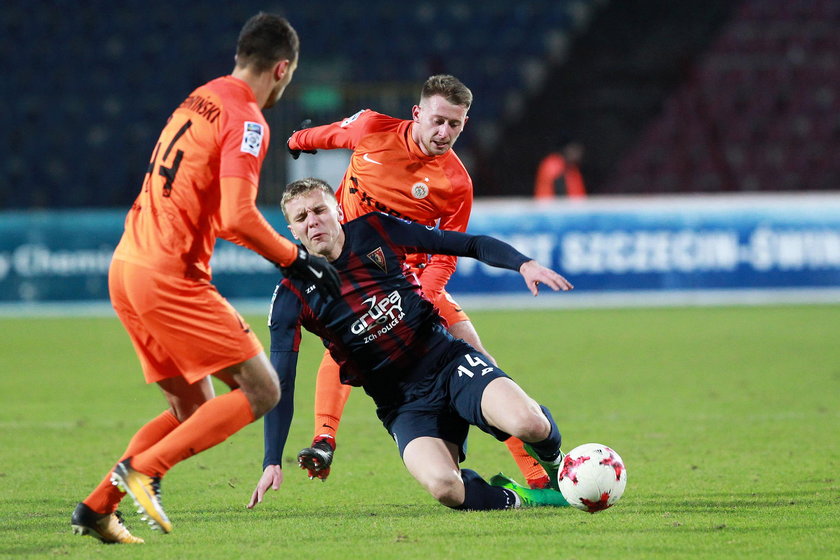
(769, 88)
(123, 67)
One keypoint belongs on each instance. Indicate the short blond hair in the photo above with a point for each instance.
(302, 187)
(448, 87)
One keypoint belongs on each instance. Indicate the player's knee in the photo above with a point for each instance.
(448, 490)
(272, 396)
(183, 410)
(263, 395)
(532, 425)
(449, 494)
(267, 398)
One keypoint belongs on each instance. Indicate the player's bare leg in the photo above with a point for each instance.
(507, 407)
(434, 464)
(257, 379)
(185, 398)
(254, 391)
(534, 473)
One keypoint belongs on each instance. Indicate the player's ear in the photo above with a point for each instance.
(293, 233)
(280, 69)
(415, 113)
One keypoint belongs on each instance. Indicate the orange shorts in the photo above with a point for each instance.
(179, 327)
(449, 309)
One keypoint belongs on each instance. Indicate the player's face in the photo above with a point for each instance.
(314, 219)
(280, 87)
(437, 124)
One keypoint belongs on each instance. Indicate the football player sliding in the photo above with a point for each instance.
(389, 339)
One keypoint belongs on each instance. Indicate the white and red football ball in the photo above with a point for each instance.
(592, 477)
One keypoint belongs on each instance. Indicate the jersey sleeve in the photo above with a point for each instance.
(278, 420)
(437, 273)
(244, 224)
(346, 133)
(244, 139)
(416, 238)
(284, 325)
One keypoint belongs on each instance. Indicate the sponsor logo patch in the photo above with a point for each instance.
(252, 138)
(383, 315)
(349, 120)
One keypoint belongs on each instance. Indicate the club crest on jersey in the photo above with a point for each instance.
(252, 138)
(419, 190)
(378, 258)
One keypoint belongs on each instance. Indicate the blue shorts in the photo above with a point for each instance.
(446, 404)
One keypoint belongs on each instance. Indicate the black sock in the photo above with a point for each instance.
(549, 448)
(478, 495)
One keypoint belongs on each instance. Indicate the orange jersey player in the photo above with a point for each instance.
(405, 168)
(390, 172)
(201, 183)
(174, 222)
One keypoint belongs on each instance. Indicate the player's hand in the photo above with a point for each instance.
(272, 477)
(536, 274)
(296, 153)
(315, 269)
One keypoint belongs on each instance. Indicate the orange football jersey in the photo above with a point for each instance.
(218, 131)
(389, 173)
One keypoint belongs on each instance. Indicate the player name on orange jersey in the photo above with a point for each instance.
(202, 106)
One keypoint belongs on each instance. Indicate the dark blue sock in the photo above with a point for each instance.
(549, 448)
(478, 495)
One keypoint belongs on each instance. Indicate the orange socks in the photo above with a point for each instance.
(330, 398)
(533, 472)
(164, 441)
(213, 422)
(106, 497)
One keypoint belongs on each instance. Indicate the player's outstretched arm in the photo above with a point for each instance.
(295, 153)
(242, 222)
(345, 134)
(535, 274)
(485, 248)
(272, 477)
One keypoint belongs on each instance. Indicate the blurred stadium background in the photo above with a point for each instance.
(687, 97)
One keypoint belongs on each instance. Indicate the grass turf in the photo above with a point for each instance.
(727, 419)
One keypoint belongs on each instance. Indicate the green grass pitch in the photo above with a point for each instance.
(728, 419)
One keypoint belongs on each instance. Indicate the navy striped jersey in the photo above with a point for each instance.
(379, 325)
(383, 332)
